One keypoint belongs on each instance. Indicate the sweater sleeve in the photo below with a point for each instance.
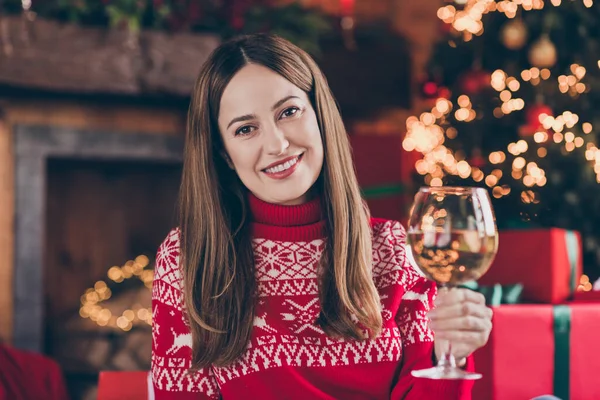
(171, 337)
(417, 338)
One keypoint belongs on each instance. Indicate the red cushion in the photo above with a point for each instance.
(131, 385)
(25, 375)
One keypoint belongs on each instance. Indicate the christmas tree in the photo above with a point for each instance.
(514, 96)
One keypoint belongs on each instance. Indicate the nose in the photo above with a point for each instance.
(276, 142)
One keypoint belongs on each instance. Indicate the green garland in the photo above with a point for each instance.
(300, 25)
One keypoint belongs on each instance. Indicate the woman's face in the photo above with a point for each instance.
(271, 135)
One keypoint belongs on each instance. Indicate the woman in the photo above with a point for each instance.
(277, 284)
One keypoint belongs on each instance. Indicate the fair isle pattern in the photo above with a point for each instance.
(286, 268)
(273, 351)
(285, 333)
(167, 286)
(390, 266)
(171, 374)
(171, 338)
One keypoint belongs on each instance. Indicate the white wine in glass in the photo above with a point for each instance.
(453, 238)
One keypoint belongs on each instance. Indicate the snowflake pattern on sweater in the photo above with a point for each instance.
(285, 337)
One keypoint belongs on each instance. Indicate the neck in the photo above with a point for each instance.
(302, 222)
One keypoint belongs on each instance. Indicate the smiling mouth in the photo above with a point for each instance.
(283, 166)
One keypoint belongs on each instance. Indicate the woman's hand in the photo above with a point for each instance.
(461, 317)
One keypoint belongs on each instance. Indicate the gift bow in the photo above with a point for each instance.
(497, 294)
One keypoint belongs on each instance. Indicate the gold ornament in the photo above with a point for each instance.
(542, 53)
(514, 34)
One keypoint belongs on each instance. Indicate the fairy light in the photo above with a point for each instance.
(93, 297)
(516, 174)
(519, 163)
(540, 137)
(584, 284)
(534, 175)
(497, 157)
(545, 74)
(464, 169)
(477, 175)
(542, 152)
(427, 132)
(557, 137)
(436, 182)
(468, 20)
(498, 80)
(513, 84)
(572, 84)
(491, 180)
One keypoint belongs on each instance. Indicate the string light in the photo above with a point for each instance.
(584, 284)
(468, 19)
(93, 297)
(428, 132)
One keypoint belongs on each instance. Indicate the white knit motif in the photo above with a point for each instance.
(285, 333)
(179, 342)
(295, 351)
(302, 317)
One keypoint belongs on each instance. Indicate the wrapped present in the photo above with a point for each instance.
(540, 349)
(118, 385)
(587, 297)
(380, 173)
(547, 262)
(497, 294)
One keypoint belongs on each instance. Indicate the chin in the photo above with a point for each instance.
(292, 194)
(291, 198)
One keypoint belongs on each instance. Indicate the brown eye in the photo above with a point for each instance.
(289, 112)
(244, 130)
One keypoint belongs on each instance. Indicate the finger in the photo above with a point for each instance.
(489, 313)
(460, 310)
(459, 296)
(467, 338)
(461, 350)
(468, 323)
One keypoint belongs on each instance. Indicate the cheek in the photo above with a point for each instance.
(310, 132)
(314, 141)
(243, 156)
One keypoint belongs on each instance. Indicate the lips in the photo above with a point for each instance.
(283, 165)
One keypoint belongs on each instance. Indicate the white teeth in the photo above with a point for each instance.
(282, 167)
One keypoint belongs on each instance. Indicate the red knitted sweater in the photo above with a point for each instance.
(289, 357)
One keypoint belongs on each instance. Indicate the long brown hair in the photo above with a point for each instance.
(216, 248)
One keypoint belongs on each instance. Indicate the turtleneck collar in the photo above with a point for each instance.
(302, 222)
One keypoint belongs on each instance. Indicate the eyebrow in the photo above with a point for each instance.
(248, 117)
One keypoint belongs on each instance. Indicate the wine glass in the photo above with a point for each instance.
(453, 238)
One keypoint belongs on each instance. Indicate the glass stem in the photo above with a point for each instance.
(447, 360)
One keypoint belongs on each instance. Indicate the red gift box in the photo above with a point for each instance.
(118, 385)
(380, 173)
(586, 297)
(540, 349)
(547, 262)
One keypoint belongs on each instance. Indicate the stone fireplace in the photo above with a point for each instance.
(86, 201)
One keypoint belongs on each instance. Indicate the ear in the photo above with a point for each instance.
(227, 160)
